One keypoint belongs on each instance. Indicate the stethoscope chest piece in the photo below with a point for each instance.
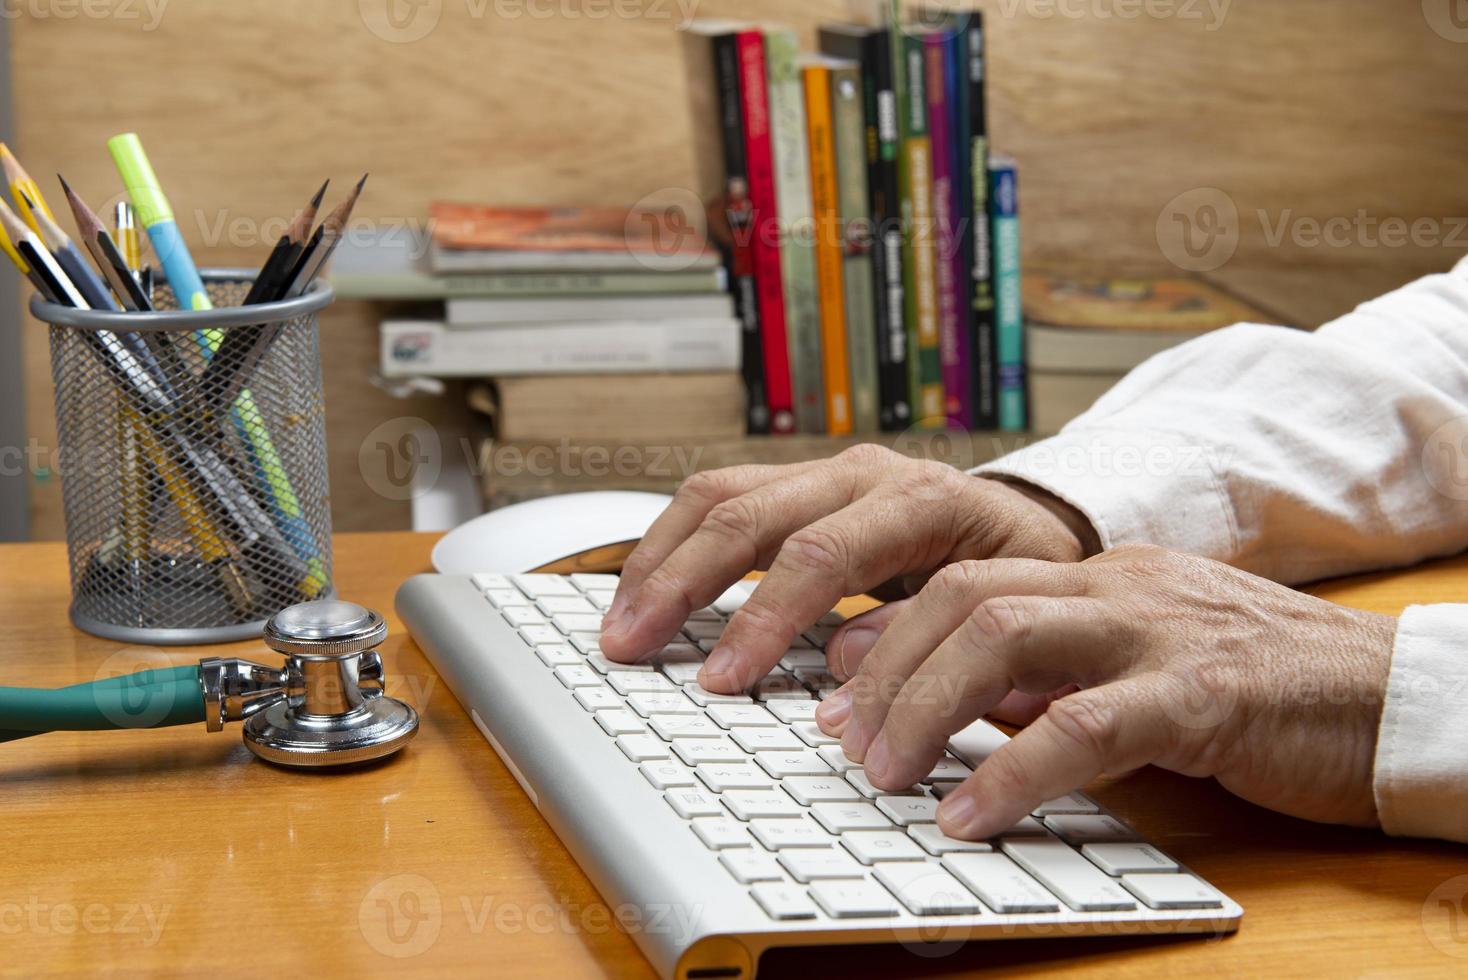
(334, 711)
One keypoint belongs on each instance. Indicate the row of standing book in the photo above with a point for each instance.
(873, 239)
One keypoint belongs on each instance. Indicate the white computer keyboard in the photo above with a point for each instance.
(773, 802)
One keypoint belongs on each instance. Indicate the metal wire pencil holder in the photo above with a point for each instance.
(193, 462)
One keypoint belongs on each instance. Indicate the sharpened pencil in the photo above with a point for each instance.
(22, 186)
(318, 253)
(272, 280)
(108, 256)
(77, 268)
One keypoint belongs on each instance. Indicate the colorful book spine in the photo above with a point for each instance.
(739, 212)
(848, 124)
(836, 371)
(797, 251)
(873, 47)
(1008, 298)
(764, 234)
(973, 201)
(919, 257)
(942, 82)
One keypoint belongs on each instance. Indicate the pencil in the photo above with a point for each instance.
(129, 242)
(88, 283)
(108, 256)
(318, 253)
(39, 265)
(22, 186)
(271, 281)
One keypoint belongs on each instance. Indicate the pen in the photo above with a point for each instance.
(156, 215)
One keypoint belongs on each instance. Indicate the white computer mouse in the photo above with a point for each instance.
(571, 532)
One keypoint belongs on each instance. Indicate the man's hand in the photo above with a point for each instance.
(824, 530)
(1181, 662)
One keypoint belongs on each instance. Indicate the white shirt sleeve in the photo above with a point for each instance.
(1301, 456)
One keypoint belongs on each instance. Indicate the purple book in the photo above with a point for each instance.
(953, 334)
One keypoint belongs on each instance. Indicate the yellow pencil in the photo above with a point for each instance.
(21, 187)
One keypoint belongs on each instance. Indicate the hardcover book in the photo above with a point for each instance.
(836, 372)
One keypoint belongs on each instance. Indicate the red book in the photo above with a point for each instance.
(764, 230)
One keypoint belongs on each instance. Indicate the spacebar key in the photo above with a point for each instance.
(1078, 882)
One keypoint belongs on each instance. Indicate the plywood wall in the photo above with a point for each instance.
(1267, 112)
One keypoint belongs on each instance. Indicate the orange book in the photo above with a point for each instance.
(571, 229)
(835, 369)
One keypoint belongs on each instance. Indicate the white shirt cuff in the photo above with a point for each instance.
(1421, 776)
(1125, 481)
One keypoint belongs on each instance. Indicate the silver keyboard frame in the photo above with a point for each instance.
(690, 917)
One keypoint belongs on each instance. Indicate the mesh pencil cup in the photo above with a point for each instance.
(193, 462)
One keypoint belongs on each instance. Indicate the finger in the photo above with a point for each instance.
(1020, 709)
(875, 538)
(848, 646)
(734, 538)
(1026, 643)
(949, 598)
(1112, 728)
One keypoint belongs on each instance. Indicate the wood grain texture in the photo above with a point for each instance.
(1312, 109)
(177, 853)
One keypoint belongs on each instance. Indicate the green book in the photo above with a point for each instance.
(797, 227)
(848, 118)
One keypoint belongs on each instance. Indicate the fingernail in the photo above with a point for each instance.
(720, 669)
(957, 812)
(855, 644)
(834, 711)
(878, 758)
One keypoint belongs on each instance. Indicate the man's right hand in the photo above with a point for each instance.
(824, 530)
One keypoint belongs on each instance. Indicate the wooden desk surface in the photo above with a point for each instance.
(177, 852)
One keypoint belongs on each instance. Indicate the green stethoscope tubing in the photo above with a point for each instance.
(154, 698)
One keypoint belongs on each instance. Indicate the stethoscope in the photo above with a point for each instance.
(325, 707)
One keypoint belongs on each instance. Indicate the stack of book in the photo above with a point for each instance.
(872, 239)
(632, 304)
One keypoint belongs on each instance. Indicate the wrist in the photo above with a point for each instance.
(1079, 538)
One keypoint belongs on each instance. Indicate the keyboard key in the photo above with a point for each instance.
(1069, 803)
(536, 635)
(809, 733)
(943, 788)
(642, 748)
(792, 711)
(629, 681)
(620, 721)
(720, 832)
(1125, 859)
(536, 586)
(807, 659)
(704, 698)
(948, 768)
(748, 715)
(905, 811)
(853, 899)
(602, 665)
(697, 629)
(841, 817)
(706, 614)
(578, 622)
(696, 750)
(523, 616)
(587, 643)
(679, 653)
(690, 802)
(485, 581)
(505, 598)
(578, 675)
(597, 698)
(749, 804)
(871, 846)
(822, 682)
(926, 889)
(648, 703)
(1089, 828)
(1027, 827)
(783, 901)
(977, 742)
(766, 740)
(601, 598)
(1000, 883)
(1076, 881)
(667, 775)
(748, 865)
(588, 581)
(684, 726)
(778, 833)
(809, 864)
(556, 654)
(777, 686)
(720, 777)
(819, 789)
(782, 764)
(553, 604)
(734, 597)
(934, 841)
(1172, 891)
(681, 674)
(832, 756)
(858, 778)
